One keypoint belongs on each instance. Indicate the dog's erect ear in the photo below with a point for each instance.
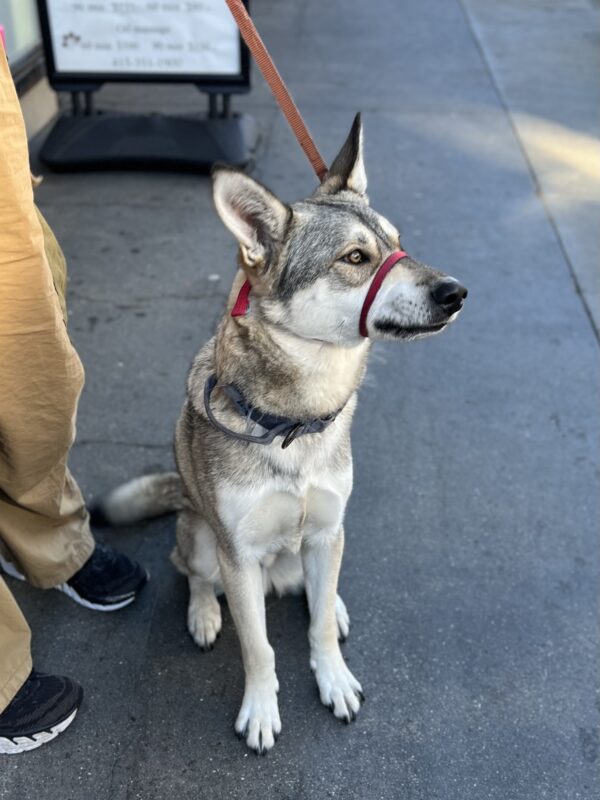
(252, 213)
(348, 169)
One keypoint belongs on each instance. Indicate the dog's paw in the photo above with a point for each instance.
(258, 721)
(338, 688)
(204, 620)
(342, 618)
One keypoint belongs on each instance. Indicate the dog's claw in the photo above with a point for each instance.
(349, 717)
(260, 749)
(241, 735)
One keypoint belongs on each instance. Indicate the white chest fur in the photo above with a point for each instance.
(299, 492)
(280, 514)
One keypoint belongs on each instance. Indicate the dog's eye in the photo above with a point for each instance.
(355, 257)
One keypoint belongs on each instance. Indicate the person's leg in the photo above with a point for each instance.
(15, 652)
(44, 525)
(48, 547)
(34, 708)
(43, 521)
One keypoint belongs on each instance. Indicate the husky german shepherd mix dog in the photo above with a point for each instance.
(263, 441)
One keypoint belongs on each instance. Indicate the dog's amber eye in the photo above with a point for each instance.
(355, 257)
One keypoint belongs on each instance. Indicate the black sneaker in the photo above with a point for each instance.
(107, 581)
(42, 708)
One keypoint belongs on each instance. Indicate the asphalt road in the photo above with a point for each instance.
(471, 569)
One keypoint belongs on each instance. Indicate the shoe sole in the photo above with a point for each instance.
(11, 570)
(20, 744)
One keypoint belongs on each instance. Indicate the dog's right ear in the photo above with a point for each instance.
(348, 168)
(252, 213)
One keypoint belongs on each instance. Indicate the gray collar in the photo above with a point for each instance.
(289, 428)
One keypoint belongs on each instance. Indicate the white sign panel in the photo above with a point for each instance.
(173, 37)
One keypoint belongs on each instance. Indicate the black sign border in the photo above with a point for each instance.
(80, 81)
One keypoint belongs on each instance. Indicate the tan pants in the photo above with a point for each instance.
(44, 526)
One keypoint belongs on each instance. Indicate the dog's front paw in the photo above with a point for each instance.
(258, 721)
(204, 620)
(338, 688)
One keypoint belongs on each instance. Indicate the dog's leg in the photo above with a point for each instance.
(258, 719)
(196, 556)
(338, 688)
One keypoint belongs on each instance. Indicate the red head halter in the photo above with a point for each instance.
(242, 303)
(376, 286)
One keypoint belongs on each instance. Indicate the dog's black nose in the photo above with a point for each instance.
(450, 295)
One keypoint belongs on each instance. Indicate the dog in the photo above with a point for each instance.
(264, 467)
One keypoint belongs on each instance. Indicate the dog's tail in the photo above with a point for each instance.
(139, 499)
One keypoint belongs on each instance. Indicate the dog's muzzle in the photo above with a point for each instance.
(448, 293)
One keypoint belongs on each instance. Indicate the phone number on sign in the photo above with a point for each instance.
(146, 63)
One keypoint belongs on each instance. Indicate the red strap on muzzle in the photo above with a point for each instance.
(242, 303)
(375, 286)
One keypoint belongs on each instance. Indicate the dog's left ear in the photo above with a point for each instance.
(348, 169)
(252, 213)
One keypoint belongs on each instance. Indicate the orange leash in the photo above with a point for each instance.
(277, 86)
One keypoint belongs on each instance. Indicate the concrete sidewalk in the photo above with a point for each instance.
(471, 571)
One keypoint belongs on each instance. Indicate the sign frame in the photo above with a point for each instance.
(91, 81)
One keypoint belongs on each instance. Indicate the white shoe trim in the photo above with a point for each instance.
(11, 570)
(70, 592)
(22, 743)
